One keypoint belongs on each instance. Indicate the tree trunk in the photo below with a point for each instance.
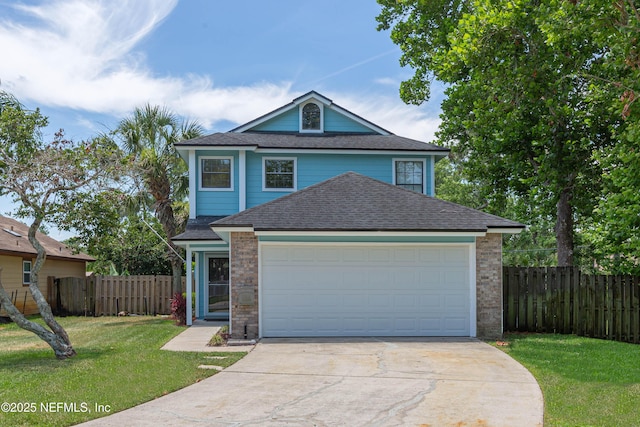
(164, 213)
(58, 342)
(176, 270)
(564, 228)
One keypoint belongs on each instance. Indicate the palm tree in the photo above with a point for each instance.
(148, 136)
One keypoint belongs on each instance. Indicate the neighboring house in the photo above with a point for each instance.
(17, 257)
(312, 221)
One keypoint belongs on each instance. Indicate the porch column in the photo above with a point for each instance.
(196, 275)
(189, 286)
(192, 184)
(242, 181)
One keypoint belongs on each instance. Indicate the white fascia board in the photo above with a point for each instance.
(359, 120)
(260, 120)
(312, 95)
(225, 232)
(329, 104)
(369, 233)
(216, 148)
(335, 151)
(231, 229)
(505, 230)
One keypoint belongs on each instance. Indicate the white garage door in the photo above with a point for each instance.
(337, 290)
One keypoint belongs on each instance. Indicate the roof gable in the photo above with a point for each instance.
(14, 239)
(353, 202)
(335, 118)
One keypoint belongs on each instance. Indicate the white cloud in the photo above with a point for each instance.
(387, 81)
(80, 54)
(392, 114)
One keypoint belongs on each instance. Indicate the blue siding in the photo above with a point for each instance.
(335, 122)
(311, 169)
(217, 202)
(287, 122)
(314, 168)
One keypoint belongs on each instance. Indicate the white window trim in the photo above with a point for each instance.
(24, 262)
(321, 107)
(424, 170)
(200, 169)
(295, 175)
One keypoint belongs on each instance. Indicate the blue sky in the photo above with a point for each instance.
(88, 63)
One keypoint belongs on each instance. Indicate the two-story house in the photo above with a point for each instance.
(313, 221)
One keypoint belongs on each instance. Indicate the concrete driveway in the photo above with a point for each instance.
(354, 382)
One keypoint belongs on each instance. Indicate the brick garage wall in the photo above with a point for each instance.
(244, 285)
(489, 285)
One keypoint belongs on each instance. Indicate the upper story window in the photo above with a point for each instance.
(279, 174)
(216, 173)
(26, 272)
(311, 118)
(409, 174)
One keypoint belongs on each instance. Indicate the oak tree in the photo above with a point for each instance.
(43, 180)
(520, 111)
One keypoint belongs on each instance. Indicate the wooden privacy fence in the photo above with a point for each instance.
(110, 295)
(72, 295)
(566, 301)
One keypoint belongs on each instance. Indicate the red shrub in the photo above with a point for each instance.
(179, 309)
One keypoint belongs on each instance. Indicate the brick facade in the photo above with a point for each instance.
(244, 285)
(489, 286)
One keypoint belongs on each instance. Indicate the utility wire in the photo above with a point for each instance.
(161, 238)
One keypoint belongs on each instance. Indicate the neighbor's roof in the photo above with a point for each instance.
(353, 202)
(325, 141)
(199, 229)
(14, 239)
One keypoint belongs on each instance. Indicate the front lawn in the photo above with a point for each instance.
(585, 381)
(119, 365)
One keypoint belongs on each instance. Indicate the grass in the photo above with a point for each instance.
(585, 381)
(220, 338)
(119, 365)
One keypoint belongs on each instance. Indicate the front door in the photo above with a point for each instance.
(217, 302)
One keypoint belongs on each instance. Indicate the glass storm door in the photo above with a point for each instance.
(218, 288)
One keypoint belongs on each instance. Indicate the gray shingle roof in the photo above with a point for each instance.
(327, 141)
(198, 229)
(353, 202)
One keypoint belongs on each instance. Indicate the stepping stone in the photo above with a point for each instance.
(217, 368)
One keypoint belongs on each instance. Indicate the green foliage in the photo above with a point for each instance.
(129, 248)
(20, 129)
(159, 173)
(221, 337)
(522, 114)
(533, 247)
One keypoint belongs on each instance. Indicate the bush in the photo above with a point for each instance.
(179, 309)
